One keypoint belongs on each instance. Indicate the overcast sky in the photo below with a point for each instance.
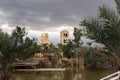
(47, 15)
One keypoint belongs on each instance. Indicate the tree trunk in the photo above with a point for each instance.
(5, 76)
(116, 57)
(71, 62)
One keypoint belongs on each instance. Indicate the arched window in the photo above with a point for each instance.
(65, 41)
(65, 35)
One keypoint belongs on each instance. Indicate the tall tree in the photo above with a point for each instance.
(105, 28)
(77, 36)
(14, 46)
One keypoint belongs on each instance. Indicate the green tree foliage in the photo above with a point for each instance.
(48, 51)
(98, 60)
(44, 48)
(77, 36)
(66, 49)
(14, 46)
(57, 55)
(105, 28)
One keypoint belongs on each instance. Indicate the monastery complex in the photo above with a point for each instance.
(64, 37)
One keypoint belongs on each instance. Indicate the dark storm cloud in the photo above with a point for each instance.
(39, 14)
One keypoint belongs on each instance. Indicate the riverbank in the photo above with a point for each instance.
(42, 69)
(66, 75)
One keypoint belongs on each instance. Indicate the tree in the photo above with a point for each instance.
(52, 53)
(105, 28)
(67, 50)
(98, 59)
(44, 48)
(77, 36)
(14, 46)
(76, 42)
(57, 56)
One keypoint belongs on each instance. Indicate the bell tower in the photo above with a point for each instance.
(64, 37)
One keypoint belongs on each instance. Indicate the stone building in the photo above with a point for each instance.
(44, 39)
(64, 37)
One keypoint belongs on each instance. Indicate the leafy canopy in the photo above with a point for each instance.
(15, 46)
(105, 28)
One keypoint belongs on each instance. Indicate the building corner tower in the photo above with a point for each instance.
(44, 39)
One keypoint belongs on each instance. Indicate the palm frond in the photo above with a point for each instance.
(118, 5)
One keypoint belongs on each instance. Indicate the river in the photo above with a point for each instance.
(67, 75)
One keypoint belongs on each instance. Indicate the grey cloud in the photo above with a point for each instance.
(40, 14)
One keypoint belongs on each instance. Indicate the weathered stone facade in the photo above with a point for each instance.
(44, 39)
(64, 37)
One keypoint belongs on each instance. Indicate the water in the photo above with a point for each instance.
(67, 75)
